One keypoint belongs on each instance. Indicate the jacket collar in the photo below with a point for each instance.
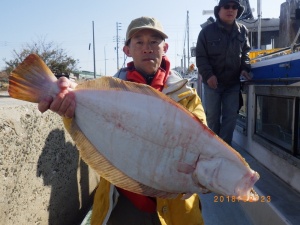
(236, 26)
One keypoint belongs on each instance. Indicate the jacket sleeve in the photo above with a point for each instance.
(179, 212)
(245, 60)
(105, 200)
(193, 103)
(202, 58)
(182, 93)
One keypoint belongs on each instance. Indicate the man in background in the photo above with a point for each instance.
(222, 56)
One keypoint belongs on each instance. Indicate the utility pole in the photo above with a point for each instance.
(188, 37)
(118, 26)
(94, 52)
(105, 61)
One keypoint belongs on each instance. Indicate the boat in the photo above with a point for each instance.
(278, 67)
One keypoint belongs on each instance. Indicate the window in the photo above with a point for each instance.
(274, 120)
(277, 115)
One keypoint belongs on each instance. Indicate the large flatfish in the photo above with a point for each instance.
(139, 139)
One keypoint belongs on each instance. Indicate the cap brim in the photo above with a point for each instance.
(134, 31)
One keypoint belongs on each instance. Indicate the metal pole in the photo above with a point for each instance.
(188, 38)
(104, 61)
(259, 24)
(94, 52)
(184, 60)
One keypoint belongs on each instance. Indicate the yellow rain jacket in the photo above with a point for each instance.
(170, 211)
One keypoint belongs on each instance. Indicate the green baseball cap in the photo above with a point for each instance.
(144, 23)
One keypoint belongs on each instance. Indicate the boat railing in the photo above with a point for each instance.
(294, 47)
(280, 52)
(288, 80)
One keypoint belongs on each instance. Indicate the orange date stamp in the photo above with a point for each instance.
(221, 199)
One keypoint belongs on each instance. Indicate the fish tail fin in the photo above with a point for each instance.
(31, 80)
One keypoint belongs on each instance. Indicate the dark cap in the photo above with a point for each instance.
(224, 2)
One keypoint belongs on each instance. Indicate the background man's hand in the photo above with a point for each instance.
(212, 82)
(245, 75)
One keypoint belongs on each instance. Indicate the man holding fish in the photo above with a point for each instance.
(145, 43)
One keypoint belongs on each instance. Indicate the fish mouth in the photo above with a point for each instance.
(244, 190)
(252, 196)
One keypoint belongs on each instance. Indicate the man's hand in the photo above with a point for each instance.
(64, 103)
(212, 82)
(245, 75)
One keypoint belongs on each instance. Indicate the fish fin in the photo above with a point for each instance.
(185, 168)
(105, 169)
(31, 80)
(116, 84)
(202, 188)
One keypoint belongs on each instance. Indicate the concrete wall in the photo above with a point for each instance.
(42, 179)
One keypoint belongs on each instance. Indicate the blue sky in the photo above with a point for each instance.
(68, 23)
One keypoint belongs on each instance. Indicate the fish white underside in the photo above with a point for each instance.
(146, 138)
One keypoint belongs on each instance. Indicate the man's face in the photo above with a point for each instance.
(228, 12)
(146, 48)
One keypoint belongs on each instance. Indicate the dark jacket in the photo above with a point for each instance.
(223, 54)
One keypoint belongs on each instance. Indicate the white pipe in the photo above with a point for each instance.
(207, 12)
(259, 24)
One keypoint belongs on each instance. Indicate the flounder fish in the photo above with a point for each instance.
(139, 139)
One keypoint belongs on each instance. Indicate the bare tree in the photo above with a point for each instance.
(55, 57)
